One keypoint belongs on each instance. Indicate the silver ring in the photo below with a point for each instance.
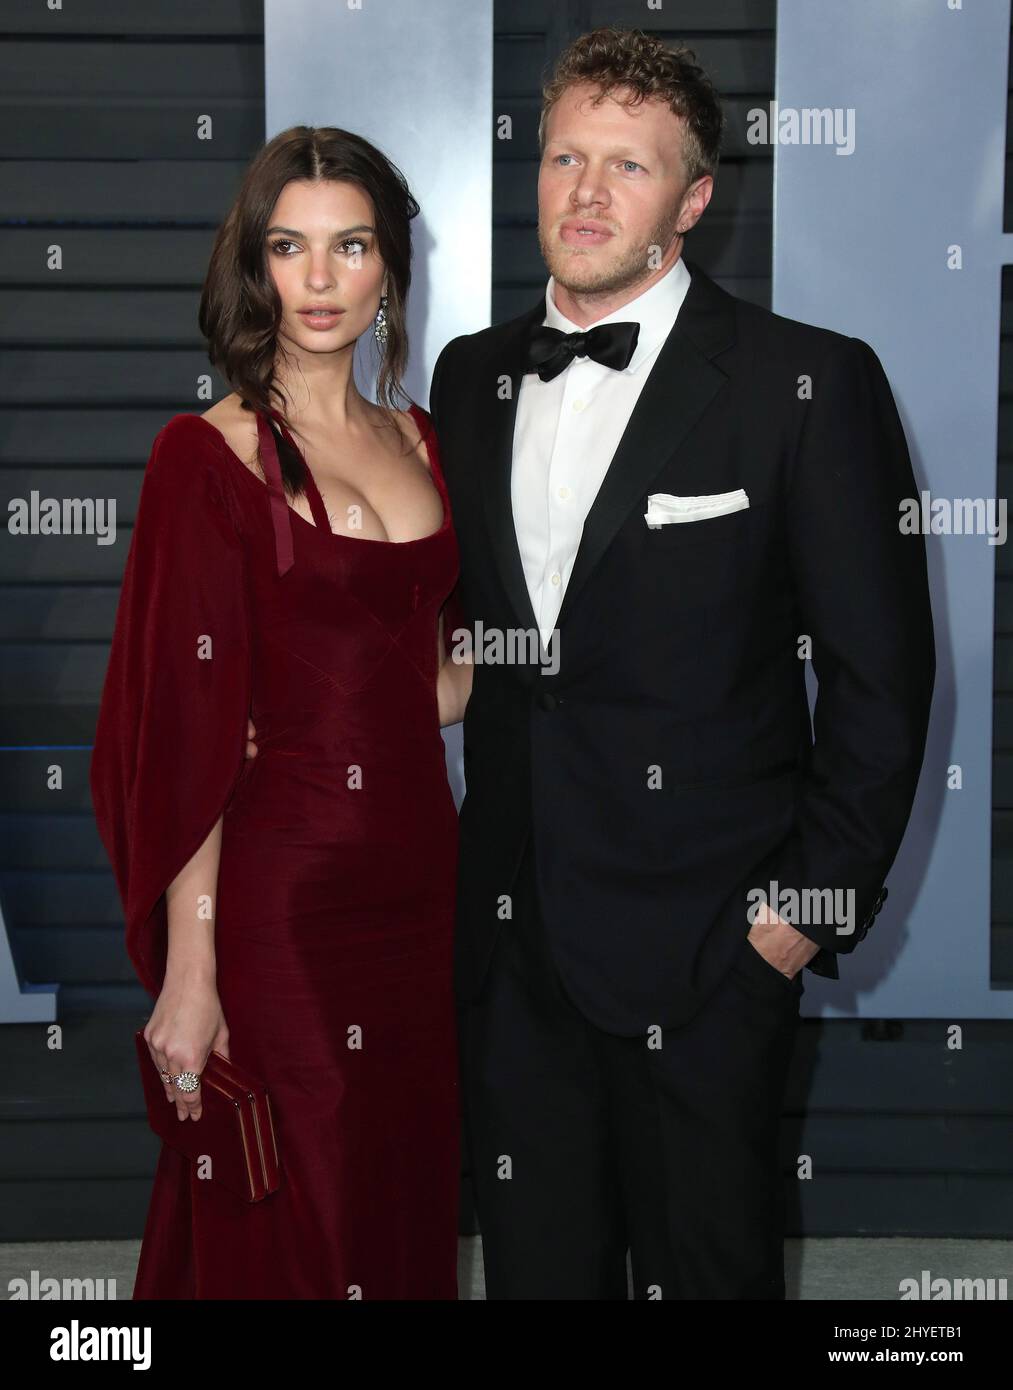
(186, 1081)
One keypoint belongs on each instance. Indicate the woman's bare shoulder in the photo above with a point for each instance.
(238, 427)
(414, 437)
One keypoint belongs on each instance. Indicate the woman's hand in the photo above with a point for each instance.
(187, 1023)
(251, 735)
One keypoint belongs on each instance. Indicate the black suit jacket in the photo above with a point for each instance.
(679, 652)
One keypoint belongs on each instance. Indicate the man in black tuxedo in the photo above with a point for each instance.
(683, 495)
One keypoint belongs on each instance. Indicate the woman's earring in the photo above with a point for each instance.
(380, 325)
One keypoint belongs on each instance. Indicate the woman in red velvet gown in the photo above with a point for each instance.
(327, 968)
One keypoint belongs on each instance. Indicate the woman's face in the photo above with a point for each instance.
(322, 251)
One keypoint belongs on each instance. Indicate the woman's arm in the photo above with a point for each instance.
(453, 682)
(187, 1021)
(190, 898)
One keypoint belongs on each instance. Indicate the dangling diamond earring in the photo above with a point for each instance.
(380, 325)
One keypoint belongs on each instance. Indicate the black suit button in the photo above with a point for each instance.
(546, 700)
(873, 911)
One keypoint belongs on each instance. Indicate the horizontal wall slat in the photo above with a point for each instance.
(106, 999)
(55, 560)
(131, 130)
(41, 72)
(50, 840)
(24, 779)
(902, 1204)
(1002, 779)
(1003, 723)
(917, 1074)
(122, 17)
(83, 438)
(1004, 605)
(61, 673)
(104, 377)
(1002, 952)
(75, 954)
(1002, 676)
(106, 256)
(102, 1209)
(40, 902)
(105, 1147)
(31, 724)
(122, 485)
(57, 612)
(55, 191)
(157, 318)
(1002, 886)
(967, 1144)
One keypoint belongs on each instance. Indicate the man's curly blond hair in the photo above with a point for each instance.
(612, 58)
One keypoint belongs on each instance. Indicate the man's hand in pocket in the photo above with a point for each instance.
(779, 943)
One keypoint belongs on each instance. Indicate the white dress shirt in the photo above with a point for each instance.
(566, 433)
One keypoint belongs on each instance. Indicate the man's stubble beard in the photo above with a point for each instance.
(624, 274)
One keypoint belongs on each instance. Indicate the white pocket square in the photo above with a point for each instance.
(663, 507)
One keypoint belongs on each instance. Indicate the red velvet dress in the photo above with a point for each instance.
(334, 912)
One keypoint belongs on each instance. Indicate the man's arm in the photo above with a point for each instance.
(863, 599)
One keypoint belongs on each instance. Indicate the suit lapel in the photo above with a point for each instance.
(681, 385)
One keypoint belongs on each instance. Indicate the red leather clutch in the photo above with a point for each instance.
(235, 1130)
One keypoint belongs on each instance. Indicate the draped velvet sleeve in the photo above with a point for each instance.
(171, 732)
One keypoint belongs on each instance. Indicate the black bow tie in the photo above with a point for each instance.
(551, 352)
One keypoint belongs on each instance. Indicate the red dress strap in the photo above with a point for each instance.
(280, 510)
(428, 432)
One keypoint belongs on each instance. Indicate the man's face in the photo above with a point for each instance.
(619, 170)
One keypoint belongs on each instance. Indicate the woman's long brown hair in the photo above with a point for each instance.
(240, 309)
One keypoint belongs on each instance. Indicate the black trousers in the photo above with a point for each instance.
(584, 1145)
